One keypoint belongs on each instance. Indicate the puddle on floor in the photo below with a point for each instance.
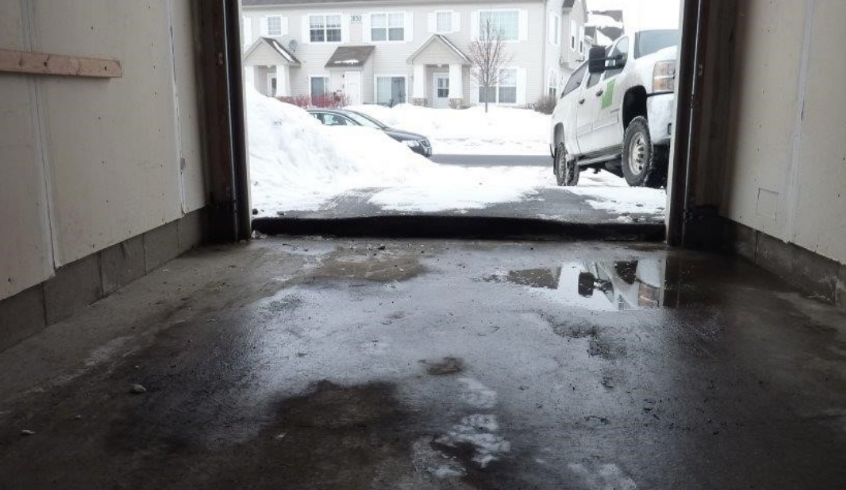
(599, 286)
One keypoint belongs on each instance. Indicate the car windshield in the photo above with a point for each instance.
(366, 120)
(649, 42)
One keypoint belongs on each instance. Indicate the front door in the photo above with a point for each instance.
(352, 82)
(440, 86)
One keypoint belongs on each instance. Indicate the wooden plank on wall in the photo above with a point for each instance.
(54, 64)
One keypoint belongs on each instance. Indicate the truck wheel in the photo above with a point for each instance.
(566, 173)
(644, 165)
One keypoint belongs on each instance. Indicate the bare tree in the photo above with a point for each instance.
(488, 56)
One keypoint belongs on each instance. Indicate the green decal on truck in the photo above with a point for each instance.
(608, 96)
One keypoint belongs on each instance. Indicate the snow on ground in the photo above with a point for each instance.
(297, 164)
(502, 131)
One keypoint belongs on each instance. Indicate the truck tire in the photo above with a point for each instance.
(566, 173)
(644, 165)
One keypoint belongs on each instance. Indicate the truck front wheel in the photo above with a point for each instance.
(644, 165)
(566, 172)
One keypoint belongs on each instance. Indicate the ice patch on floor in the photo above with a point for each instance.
(479, 431)
(603, 477)
(476, 394)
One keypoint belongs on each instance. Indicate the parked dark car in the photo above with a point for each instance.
(343, 117)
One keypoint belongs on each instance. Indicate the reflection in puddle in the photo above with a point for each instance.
(602, 286)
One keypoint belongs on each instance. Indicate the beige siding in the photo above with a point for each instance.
(392, 58)
(787, 160)
(264, 55)
(103, 154)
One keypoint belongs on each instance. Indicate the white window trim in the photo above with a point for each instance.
(581, 40)
(516, 71)
(485, 11)
(326, 86)
(307, 34)
(281, 26)
(270, 77)
(383, 75)
(555, 33)
(451, 21)
(574, 30)
(388, 27)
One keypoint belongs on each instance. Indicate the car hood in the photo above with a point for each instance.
(403, 135)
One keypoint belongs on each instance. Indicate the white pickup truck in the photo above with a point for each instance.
(616, 112)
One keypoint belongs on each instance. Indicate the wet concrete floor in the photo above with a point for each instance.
(312, 364)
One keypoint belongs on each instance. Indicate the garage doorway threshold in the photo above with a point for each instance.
(495, 223)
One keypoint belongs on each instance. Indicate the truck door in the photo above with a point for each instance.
(586, 114)
(608, 128)
(566, 109)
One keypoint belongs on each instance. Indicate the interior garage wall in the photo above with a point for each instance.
(785, 173)
(88, 164)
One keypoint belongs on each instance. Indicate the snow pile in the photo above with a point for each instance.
(297, 164)
(502, 131)
(624, 200)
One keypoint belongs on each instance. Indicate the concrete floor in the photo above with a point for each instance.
(311, 364)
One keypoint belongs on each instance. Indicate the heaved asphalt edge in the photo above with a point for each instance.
(462, 227)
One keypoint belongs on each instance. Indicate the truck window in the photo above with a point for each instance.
(575, 80)
(649, 42)
(621, 49)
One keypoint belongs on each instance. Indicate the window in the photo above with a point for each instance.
(271, 85)
(555, 30)
(582, 40)
(503, 93)
(443, 87)
(390, 90)
(319, 87)
(593, 79)
(324, 28)
(274, 26)
(575, 81)
(443, 22)
(336, 120)
(505, 21)
(574, 32)
(387, 27)
(620, 49)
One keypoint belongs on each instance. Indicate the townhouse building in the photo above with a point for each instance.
(409, 51)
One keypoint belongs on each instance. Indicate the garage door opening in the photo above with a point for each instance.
(558, 114)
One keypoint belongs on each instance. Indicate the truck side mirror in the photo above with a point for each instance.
(596, 59)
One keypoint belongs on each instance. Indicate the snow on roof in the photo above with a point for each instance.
(289, 57)
(601, 20)
(350, 56)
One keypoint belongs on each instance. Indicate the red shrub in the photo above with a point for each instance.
(328, 101)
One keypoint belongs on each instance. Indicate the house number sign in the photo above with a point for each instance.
(355, 19)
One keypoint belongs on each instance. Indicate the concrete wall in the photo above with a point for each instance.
(786, 159)
(535, 55)
(88, 164)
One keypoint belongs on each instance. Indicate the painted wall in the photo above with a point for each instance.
(532, 55)
(786, 168)
(87, 164)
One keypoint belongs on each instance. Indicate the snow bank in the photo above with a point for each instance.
(502, 131)
(297, 164)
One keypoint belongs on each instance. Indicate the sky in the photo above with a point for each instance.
(643, 14)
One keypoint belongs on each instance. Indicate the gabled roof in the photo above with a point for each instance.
(444, 41)
(350, 56)
(285, 55)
